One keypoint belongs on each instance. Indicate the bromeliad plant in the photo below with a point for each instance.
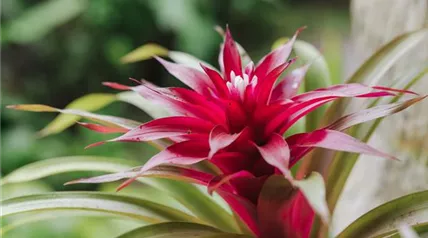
(225, 132)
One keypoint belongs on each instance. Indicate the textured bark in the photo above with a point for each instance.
(374, 181)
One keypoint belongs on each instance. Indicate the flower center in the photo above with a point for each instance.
(238, 84)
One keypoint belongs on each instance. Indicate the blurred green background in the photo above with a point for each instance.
(54, 51)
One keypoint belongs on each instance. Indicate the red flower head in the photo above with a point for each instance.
(235, 119)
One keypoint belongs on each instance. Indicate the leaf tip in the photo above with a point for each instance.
(300, 29)
(12, 107)
(95, 144)
(219, 30)
(125, 184)
(71, 182)
(116, 86)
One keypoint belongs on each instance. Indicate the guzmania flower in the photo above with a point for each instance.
(235, 119)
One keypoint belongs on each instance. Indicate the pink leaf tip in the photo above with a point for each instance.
(116, 86)
(126, 183)
(95, 144)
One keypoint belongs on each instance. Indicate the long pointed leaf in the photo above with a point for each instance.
(127, 207)
(411, 210)
(18, 221)
(90, 102)
(144, 52)
(61, 123)
(194, 199)
(420, 229)
(49, 167)
(380, 62)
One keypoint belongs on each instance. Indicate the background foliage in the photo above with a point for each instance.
(54, 51)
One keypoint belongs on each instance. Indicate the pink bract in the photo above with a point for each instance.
(235, 118)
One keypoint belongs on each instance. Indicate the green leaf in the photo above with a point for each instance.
(49, 167)
(171, 230)
(420, 229)
(70, 116)
(81, 107)
(279, 42)
(90, 102)
(318, 76)
(197, 201)
(178, 187)
(144, 52)
(38, 21)
(110, 204)
(313, 188)
(17, 221)
(411, 210)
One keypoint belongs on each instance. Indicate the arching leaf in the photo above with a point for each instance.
(194, 199)
(411, 210)
(111, 204)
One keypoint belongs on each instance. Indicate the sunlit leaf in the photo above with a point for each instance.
(70, 117)
(90, 102)
(411, 210)
(144, 52)
(111, 204)
(41, 19)
(33, 108)
(171, 230)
